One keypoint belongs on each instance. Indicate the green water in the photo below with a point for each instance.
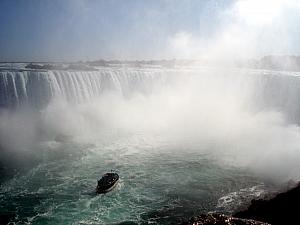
(160, 183)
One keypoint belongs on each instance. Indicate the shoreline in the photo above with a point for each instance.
(278, 209)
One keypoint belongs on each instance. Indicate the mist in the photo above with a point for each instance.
(80, 30)
(213, 113)
(216, 112)
(245, 30)
(193, 105)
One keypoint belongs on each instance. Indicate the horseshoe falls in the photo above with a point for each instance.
(37, 88)
(184, 140)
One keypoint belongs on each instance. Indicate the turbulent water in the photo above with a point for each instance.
(183, 140)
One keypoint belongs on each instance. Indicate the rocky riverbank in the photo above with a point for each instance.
(220, 219)
(280, 209)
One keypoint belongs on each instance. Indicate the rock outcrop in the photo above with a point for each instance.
(220, 219)
(280, 210)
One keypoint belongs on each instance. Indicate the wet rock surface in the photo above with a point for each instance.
(220, 219)
(281, 209)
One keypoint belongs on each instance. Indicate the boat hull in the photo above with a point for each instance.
(105, 189)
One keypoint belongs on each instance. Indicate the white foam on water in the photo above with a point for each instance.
(237, 200)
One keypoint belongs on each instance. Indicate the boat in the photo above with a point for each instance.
(107, 183)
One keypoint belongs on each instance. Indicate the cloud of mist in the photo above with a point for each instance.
(248, 29)
(90, 30)
(212, 112)
(208, 114)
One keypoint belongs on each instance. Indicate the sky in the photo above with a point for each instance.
(72, 30)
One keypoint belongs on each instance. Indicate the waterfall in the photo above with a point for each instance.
(279, 91)
(37, 88)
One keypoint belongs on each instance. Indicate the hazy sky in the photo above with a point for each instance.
(68, 30)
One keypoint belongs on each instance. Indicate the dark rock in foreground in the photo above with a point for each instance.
(282, 209)
(220, 219)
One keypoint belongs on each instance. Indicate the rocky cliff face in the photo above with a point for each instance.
(283, 209)
(220, 219)
(280, 209)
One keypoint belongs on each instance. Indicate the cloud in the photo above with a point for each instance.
(258, 12)
(184, 45)
(249, 28)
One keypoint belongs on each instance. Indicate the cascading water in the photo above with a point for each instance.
(181, 139)
(36, 88)
(275, 90)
